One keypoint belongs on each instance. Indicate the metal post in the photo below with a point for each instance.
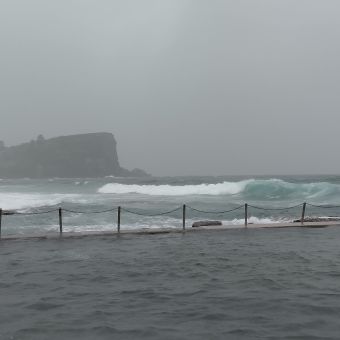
(184, 216)
(60, 221)
(245, 214)
(0, 220)
(118, 220)
(303, 213)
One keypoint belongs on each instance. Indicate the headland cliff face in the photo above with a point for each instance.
(84, 155)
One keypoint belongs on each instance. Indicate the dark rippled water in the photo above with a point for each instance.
(235, 284)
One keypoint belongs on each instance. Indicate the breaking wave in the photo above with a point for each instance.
(249, 189)
(224, 188)
(22, 201)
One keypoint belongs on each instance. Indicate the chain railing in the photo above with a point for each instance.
(184, 208)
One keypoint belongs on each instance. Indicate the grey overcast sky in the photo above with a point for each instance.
(186, 86)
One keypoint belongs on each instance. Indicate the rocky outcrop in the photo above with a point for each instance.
(206, 223)
(319, 219)
(85, 155)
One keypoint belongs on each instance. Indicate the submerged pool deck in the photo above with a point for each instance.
(153, 231)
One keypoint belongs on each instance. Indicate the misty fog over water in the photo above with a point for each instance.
(187, 87)
(221, 110)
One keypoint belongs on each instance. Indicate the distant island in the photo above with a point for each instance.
(83, 155)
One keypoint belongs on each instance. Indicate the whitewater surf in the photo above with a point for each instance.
(154, 196)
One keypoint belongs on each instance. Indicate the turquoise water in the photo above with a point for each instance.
(81, 198)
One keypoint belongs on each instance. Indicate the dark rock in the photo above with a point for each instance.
(318, 219)
(206, 223)
(85, 155)
(8, 212)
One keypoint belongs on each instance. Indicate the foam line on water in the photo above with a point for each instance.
(252, 189)
(21, 201)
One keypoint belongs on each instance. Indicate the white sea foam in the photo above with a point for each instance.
(224, 188)
(168, 223)
(254, 189)
(256, 220)
(19, 201)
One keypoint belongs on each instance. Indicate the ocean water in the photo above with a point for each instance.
(144, 201)
(240, 283)
(234, 284)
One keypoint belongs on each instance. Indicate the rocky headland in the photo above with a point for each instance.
(83, 155)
